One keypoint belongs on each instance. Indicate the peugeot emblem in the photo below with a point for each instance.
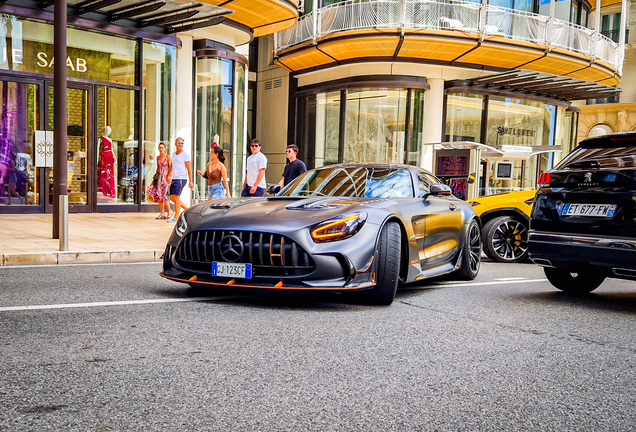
(588, 177)
(231, 248)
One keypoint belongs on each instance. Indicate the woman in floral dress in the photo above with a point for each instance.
(158, 190)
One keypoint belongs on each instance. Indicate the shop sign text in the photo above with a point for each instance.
(78, 66)
(516, 131)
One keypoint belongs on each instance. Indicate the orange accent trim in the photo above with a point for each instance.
(279, 285)
(193, 278)
(366, 269)
(231, 282)
(290, 288)
(414, 261)
(332, 224)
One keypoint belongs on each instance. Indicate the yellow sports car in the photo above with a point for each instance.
(505, 219)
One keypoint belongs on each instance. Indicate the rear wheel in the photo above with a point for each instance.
(471, 253)
(506, 239)
(387, 254)
(581, 282)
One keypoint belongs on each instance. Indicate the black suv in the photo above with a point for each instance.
(583, 223)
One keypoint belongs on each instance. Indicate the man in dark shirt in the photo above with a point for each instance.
(294, 168)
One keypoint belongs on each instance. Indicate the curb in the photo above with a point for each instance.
(97, 257)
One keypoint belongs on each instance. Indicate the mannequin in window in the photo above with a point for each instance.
(106, 165)
(215, 141)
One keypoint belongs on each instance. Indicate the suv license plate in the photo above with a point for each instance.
(592, 210)
(233, 270)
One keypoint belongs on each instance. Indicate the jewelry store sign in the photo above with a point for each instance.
(43, 148)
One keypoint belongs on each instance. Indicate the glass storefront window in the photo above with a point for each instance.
(519, 122)
(375, 125)
(159, 82)
(416, 127)
(117, 146)
(323, 111)
(463, 117)
(239, 146)
(374, 128)
(19, 113)
(91, 55)
(214, 86)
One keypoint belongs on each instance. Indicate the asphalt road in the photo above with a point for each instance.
(117, 348)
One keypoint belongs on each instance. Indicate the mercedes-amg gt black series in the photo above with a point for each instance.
(351, 227)
(583, 223)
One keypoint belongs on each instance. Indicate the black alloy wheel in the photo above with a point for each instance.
(506, 239)
(471, 252)
(577, 283)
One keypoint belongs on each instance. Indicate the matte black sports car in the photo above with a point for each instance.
(366, 227)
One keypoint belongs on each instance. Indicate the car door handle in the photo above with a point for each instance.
(452, 207)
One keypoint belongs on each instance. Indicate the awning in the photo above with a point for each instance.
(497, 152)
(518, 83)
(165, 16)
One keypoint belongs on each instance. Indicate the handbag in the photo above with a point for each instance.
(155, 178)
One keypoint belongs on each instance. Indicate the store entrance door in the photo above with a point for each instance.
(80, 148)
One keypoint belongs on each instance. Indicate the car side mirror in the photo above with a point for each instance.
(439, 190)
(471, 178)
(273, 189)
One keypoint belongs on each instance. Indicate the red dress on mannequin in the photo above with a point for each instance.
(106, 172)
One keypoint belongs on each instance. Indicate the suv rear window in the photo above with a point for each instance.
(614, 157)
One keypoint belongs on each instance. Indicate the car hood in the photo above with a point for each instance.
(232, 211)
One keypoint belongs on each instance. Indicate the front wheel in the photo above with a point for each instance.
(506, 239)
(581, 282)
(471, 252)
(387, 254)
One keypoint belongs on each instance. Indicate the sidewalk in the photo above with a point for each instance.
(93, 238)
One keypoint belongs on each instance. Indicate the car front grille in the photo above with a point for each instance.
(271, 255)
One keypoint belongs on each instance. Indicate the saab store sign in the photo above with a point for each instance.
(37, 57)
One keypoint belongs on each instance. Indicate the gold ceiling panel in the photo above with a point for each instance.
(431, 48)
(593, 73)
(614, 81)
(556, 64)
(501, 56)
(304, 59)
(372, 46)
(263, 16)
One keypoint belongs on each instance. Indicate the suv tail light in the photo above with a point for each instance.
(544, 179)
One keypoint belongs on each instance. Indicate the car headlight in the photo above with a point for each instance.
(182, 225)
(338, 228)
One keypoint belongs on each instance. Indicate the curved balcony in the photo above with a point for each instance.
(451, 32)
(262, 16)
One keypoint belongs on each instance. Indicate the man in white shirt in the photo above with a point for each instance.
(181, 173)
(254, 184)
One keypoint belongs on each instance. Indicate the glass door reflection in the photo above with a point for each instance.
(77, 159)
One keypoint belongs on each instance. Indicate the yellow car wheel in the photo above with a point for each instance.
(506, 239)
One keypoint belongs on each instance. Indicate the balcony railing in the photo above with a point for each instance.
(474, 18)
(615, 35)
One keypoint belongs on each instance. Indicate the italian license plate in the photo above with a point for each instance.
(233, 270)
(592, 210)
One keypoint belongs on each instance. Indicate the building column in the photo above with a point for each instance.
(433, 121)
(184, 106)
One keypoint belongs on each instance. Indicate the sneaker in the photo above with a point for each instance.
(172, 219)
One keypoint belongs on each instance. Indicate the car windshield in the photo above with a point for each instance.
(614, 157)
(353, 181)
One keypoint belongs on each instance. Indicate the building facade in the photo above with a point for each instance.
(456, 87)
(139, 73)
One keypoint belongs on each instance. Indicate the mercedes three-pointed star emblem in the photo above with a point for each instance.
(231, 248)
